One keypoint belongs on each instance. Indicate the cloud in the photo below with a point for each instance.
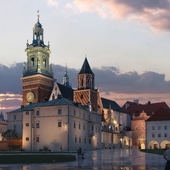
(154, 13)
(52, 3)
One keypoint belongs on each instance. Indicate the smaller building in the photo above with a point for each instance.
(158, 130)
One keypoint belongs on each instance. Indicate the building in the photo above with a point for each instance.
(58, 123)
(158, 130)
(139, 113)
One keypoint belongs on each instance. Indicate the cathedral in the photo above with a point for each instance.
(54, 114)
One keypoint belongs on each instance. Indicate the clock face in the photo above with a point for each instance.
(30, 97)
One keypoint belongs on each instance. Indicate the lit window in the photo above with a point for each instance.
(143, 135)
(37, 125)
(59, 111)
(59, 124)
(27, 124)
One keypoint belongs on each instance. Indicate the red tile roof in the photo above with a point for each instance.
(160, 115)
(149, 108)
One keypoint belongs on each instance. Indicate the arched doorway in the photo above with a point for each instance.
(165, 144)
(153, 144)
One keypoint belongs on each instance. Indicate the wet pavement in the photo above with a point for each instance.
(116, 159)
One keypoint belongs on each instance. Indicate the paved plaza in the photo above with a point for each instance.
(115, 159)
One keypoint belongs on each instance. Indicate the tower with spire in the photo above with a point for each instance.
(86, 94)
(37, 80)
(66, 78)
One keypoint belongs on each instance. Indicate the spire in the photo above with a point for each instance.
(66, 78)
(86, 68)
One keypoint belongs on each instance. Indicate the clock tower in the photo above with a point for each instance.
(37, 80)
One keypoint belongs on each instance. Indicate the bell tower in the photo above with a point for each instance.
(86, 93)
(37, 80)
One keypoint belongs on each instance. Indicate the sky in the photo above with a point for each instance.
(127, 44)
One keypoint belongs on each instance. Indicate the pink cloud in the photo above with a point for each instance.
(154, 13)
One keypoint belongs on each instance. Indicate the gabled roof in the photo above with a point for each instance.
(111, 104)
(86, 68)
(66, 92)
(60, 101)
(160, 115)
(133, 108)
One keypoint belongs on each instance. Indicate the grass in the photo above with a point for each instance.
(153, 151)
(19, 159)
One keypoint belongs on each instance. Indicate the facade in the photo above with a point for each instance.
(139, 113)
(158, 130)
(57, 124)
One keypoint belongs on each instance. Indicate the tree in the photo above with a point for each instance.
(10, 134)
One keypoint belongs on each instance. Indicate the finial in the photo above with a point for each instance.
(48, 44)
(27, 44)
(85, 56)
(38, 16)
(66, 68)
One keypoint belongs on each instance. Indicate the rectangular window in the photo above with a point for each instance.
(37, 139)
(75, 139)
(27, 138)
(159, 127)
(165, 135)
(84, 115)
(165, 128)
(89, 141)
(79, 126)
(15, 117)
(74, 112)
(27, 113)
(84, 127)
(153, 135)
(59, 124)
(37, 125)
(84, 140)
(74, 125)
(37, 112)
(27, 124)
(143, 135)
(159, 135)
(153, 127)
(79, 140)
(59, 111)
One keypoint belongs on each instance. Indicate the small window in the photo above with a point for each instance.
(153, 127)
(59, 111)
(74, 112)
(84, 140)
(153, 135)
(136, 127)
(75, 139)
(37, 112)
(165, 128)
(15, 117)
(27, 113)
(37, 139)
(59, 124)
(165, 135)
(143, 135)
(79, 140)
(27, 124)
(74, 125)
(27, 138)
(159, 135)
(37, 125)
(79, 126)
(84, 127)
(159, 127)
(89, 141)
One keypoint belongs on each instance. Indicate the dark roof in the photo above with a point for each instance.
(66, 92)
(86, 68)
(133, 108)
(111, 104)
(56, 102)
(160, 115)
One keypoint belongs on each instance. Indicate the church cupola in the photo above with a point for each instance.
(86, 77)
(38, 54)
(66, 79)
